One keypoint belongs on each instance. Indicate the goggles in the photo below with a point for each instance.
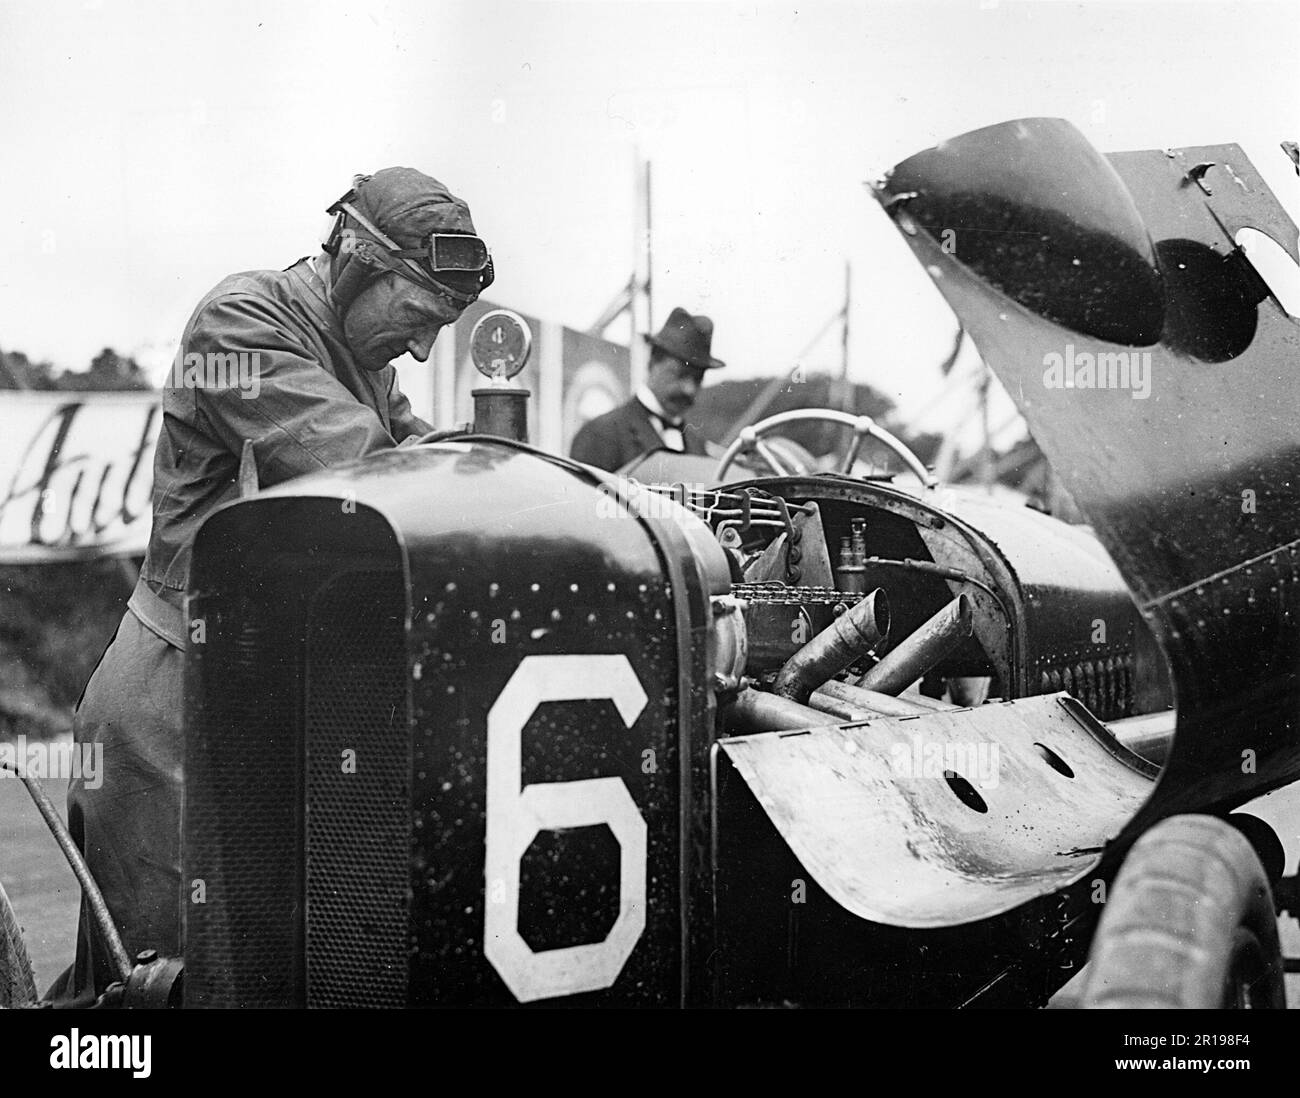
(456, 264)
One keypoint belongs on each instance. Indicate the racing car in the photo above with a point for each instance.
(474, 724)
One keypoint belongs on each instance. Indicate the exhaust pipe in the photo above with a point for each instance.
(1149, 735)
(922, 650)
(854, 633)
(852, 703)
(758, 711)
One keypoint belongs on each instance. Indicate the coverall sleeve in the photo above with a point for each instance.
(299, 417)
(406, 424)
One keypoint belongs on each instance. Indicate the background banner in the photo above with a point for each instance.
(76, 471)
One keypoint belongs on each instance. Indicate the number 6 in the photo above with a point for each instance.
(515, 815)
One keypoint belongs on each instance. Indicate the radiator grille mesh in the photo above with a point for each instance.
(358, 793)
(242, 868)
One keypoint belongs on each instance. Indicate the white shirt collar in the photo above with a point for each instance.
(646, 397)
(672, 436)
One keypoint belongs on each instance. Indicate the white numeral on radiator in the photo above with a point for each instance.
(516, 813)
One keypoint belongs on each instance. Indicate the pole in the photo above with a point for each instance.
(639, 310)
(759, 404)
(845, 397)
(839, 394)
(649, 253)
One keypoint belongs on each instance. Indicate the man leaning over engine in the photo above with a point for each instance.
(313, 388)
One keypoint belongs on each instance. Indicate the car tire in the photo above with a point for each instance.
(1189, 924)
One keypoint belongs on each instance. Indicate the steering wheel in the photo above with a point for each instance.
(751, 439)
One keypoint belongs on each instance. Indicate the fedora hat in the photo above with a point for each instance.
(688, 338)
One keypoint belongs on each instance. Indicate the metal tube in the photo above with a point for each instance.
(920, 700)
(918, 653)
(841, 699)
(1149, 735)
(759, 711)
(841, 710)
(94, 898)
(501, 411)
(849, 637)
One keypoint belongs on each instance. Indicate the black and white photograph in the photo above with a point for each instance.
(650, 506)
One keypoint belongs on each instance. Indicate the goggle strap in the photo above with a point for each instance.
(410, 253)
(373, 230)
(418, 275)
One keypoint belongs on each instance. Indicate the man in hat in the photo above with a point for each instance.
(279, 373)
(680, 354)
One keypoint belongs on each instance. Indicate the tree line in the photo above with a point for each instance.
(108, 371)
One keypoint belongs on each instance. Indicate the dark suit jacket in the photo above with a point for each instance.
(612, 440)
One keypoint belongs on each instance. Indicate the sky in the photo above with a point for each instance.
(148, 149)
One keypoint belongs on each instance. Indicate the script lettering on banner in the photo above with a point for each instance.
(76, 473)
